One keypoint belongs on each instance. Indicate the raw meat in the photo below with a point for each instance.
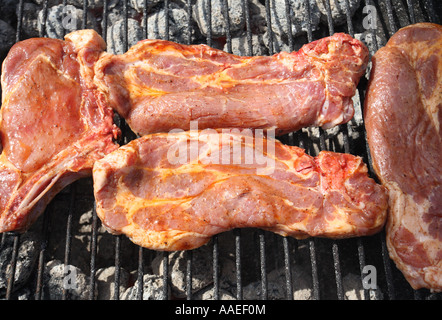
(175, 191)
(403, 121)
(160, 85)
(54, 123)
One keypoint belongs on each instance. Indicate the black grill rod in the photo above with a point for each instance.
(269, 26)
(432, 15)
(140, 274)
(391, 17)
(189, 21)
(43, 246)
(104, 20)
(311, 242)
(263, 269)
(289, 25)
(348, 16)
(117, 238)
(360, 245)
(145, 20)
(42, 29)
(285, 241)
(225, 9)
(410, 4)
(208, 18)
(309, 21)
(68, 244)
(84, 21)
(343, 129)
(94, 222)
(13, 265)
(189, 253)
(246, 11)
(19, 21)
(287, 269)
(48, 211)
(331, 29)
(236, 232)
(165, 253)
(117, 267)
(215, 253)
(93, 249)
(215, 266)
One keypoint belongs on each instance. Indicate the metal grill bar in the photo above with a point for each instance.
(93, 249)
(189, 255)
(13, 265)
(215, 266)
(67, 248)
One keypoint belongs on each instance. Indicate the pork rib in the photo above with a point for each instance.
(403, 122)
(160, 85)
(54, 123)
(175, 191)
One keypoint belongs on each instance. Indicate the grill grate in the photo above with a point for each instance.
(328, 261)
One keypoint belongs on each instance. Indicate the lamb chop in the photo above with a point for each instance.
(158, 85)
(175, 191)
(54, 123)
(403, 111)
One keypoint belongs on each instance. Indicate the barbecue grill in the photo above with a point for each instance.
(68, 255)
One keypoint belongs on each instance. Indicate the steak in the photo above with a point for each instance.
(175, 191)
(403, 118)
(159, 85)
(54, 123)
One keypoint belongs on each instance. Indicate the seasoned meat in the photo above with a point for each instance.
(160, 85)
(403, 121)
(54, 123)
(175, 191)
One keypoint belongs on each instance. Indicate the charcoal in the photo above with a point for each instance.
(29, 20)
(116, 35)
(218, 21)
(178, 22)
(92, 4)
(26, 258)
(240, 45)
(59, 277)
(338, 10)
(257, 13)
(277, 289)
(209, 294)
(298, 12)
(7, 38)
(106, 282)
(7, 10)
(61, 20)
(201, 275)
(152, 289)
(139, 4)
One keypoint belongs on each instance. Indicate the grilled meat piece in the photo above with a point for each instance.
(403, 122)
(175, 191)
(160, 85)
(54, 123)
